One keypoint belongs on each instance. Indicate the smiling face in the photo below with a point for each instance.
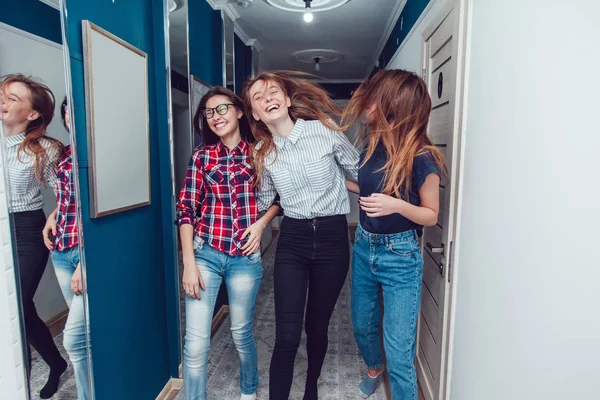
(16, 106)
(269, 102)
(226, 124)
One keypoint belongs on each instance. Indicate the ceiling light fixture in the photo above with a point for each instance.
(317, 65)
(308, 15)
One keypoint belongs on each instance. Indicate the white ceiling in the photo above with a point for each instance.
(355, 29)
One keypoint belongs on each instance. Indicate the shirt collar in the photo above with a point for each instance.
(294, 135)
(242, 147)
(15, 140)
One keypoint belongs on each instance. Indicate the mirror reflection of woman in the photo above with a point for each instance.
(26, 111)
(302, 156)
(220, 236)
(61, 238)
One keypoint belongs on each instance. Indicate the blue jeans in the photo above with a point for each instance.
(65, 262)
(394, 262)
(242, 275)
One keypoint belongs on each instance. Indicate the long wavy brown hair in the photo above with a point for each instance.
(399, 106)
(309, 102)
(42, 101)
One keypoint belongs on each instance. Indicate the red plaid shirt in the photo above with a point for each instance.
(218, 196)
(66, 218)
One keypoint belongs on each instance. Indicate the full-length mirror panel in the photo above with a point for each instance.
(36, 150)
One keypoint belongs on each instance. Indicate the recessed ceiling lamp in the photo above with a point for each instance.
(308, 15)
(307, 7)
(317, 57)
(317, 66)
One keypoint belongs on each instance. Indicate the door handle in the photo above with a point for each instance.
(438, 250)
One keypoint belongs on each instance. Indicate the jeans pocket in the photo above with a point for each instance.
(198, 244)
(254, 257)
(402, 249)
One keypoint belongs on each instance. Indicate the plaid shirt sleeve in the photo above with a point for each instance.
(192, 192)
(66, 218)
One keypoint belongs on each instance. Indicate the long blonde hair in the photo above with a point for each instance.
(308, 99)
(400, 106)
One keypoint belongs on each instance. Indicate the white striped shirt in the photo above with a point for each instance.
(309, 172)
(25, 190)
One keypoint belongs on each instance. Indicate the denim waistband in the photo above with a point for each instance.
(386, 238)
(330, 218)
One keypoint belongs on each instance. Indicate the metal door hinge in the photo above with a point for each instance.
(449, 258)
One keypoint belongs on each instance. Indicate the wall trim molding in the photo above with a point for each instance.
(229, 9)
(174, 385)
(30, 36)
(254, 43)
(389, 27)
(57, 323)
(225, 6)
(51, 3)
(218, 319)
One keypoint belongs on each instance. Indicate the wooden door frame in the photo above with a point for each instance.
(462, 8)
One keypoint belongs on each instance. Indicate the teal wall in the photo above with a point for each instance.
(130, 256)
(205, 42)
(409, 16)
(243, 63)
(32, 16)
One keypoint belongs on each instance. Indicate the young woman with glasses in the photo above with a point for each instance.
(220, 234)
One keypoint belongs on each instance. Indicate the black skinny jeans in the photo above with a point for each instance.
(32, 257)
(312, 255)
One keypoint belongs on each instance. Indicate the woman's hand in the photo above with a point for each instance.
(254, 233)
(77, 281)
(192, 279)
(379, 205)
(50, 227)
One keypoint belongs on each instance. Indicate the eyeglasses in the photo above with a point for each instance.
(221, 109)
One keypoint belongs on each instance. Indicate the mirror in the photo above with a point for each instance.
(228, 52)
(184, 139)
(41, 174)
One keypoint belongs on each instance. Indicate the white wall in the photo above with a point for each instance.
(527, 318)
(26, 51)
(408, 56)
(12, 372)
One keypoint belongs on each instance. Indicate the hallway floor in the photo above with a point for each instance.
(343, 367)
(67, 390)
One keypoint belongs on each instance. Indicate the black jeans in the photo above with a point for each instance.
(313, 256)
(32, 257)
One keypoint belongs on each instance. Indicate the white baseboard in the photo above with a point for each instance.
(173, 385)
